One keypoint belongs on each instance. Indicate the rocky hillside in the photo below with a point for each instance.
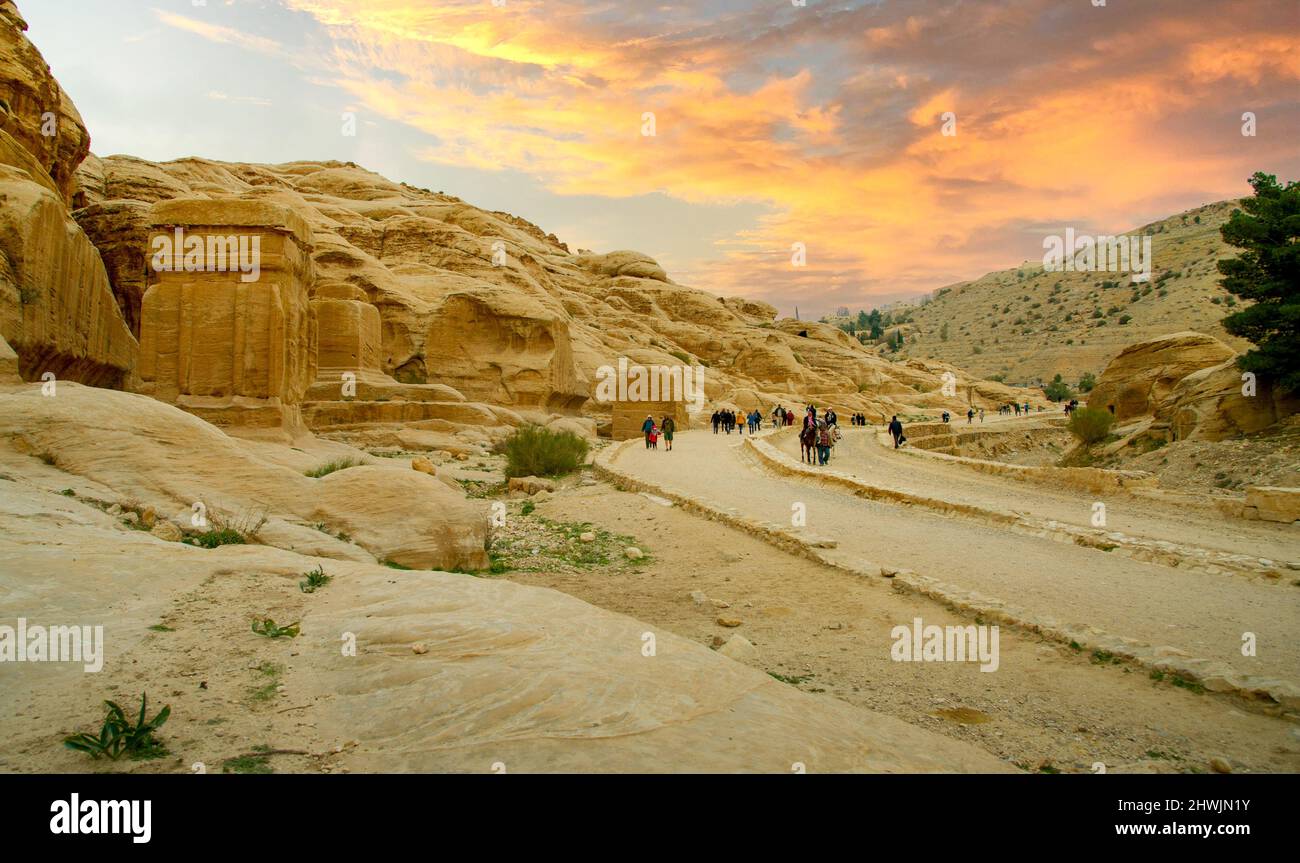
(526, 330)
(1030, 325)
(440, 312)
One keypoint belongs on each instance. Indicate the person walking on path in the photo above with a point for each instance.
(823, 443)
(647, 429)
(668, 426)
(970, 415)
(717, 421)
(896, 431)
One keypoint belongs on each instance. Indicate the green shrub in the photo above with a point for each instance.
(536, 451)
(215, 538)
(120, 736)
(331, 467)
(1091, 425)
(314, 580)
(1058, 390)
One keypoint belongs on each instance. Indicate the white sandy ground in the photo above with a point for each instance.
(504, 674)
(1200, 614)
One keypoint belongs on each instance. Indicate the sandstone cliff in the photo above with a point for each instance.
(413, 287)
(57, 309)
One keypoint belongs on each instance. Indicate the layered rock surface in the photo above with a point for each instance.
(57, 309)
(1188, 384)
(415, 287)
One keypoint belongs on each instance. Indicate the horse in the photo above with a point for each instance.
(808, 444)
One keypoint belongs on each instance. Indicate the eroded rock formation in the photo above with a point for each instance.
(1186, 386)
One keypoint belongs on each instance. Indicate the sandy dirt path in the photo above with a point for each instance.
(827, 631)
(1199, 614)
(860, 454)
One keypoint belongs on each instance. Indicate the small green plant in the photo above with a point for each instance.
(268, 627)
(271, 687)
(528, 508)
(1183, 683)
(67, 492)
(1091, 425)
(161, 627)
(217, 538)
(314, 580)
(793, 681)
(252, 764)
(536, 451)
(330, 467)
(48, 458)
(118, 736)
(392, 564)
(1104, 657)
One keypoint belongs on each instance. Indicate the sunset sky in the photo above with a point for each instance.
(775, 124)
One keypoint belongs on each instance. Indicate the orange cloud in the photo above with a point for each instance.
(833, 122)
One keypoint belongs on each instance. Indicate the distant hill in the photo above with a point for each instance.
(1027, 324)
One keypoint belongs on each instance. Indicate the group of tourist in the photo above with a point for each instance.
(652, 431)
(729, 421)
(817, 438)
(782, 417)
(1018, 408)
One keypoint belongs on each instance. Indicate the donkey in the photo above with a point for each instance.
(808, 444)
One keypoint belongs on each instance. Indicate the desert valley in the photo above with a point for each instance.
(316, 461)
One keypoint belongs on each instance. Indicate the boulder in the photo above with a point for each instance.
(1145, 374)
(389, 510)
(1216, 403)
(1273, 504)
(740, 649)
(167, 531)
(530, 485)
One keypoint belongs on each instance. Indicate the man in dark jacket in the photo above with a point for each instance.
(647, 427)
(896, 430)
